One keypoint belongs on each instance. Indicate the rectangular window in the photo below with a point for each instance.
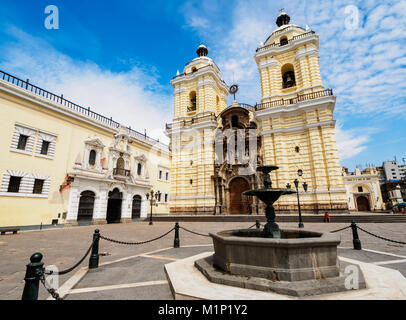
(14, 184)
(22, 142)
(45, 147)
(167, 176)
(359, 189)
(38, 185)
(166, 197)
(160, 174)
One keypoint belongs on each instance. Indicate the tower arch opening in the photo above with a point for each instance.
(192, 101)
(288, 76)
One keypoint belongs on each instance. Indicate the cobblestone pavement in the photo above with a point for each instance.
(64, 247)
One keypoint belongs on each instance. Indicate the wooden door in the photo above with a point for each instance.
(239, 204)
(363, 203)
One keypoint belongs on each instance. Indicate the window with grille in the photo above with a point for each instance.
(38, 185)
(14, 184)
(45, 147)
(22, 142)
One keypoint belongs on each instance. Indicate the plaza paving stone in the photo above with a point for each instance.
(64, 247)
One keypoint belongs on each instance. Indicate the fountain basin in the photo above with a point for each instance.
(298, 255)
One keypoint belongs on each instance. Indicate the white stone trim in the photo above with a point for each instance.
(297, 108)
(289, 47)
(306, 126)
(21, 129)
(26, 184)
(306, 52)
(179, 89)
(206, 82)
(52, 144)
(267, 63)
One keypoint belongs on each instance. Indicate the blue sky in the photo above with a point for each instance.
(118, 58)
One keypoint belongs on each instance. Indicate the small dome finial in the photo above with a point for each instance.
(283, 18)
(202, 50)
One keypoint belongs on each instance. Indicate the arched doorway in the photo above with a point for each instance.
(114, 206)
(136, 211)
(363, 204)
(239, 204)
(86, 206)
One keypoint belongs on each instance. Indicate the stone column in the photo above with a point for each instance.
(126, 208)
(144, 207)
(100, 208)
(73, 207)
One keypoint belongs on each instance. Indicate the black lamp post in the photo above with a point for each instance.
(151, 197)
(296, 182)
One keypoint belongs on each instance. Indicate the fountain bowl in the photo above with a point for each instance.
(298, 255)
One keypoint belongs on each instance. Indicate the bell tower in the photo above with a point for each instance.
(288, 62)
(296, 118)
(199, 97)
(199, 88)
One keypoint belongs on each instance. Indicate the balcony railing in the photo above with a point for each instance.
(121, 172)
(244, 105)
(298, 98)
(300, 36)
(73, 106)
(188, 122)
(144, 137)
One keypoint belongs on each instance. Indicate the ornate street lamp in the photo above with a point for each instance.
(296, 182)
(150, 196)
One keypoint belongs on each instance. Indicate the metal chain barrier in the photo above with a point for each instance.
(341, 229)
(135, 243)
(379, 237)
(197, 233)
(71, 268)
(51, 291)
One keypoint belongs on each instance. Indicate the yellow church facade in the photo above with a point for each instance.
(293, 125)
(64, 164)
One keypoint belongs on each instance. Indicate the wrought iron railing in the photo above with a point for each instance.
(144, 137)
(300, 36)
(298, 98)
(73, 106)
(58, 99)
(121, 172)
(244, 105)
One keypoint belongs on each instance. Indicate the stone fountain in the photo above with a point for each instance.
(288, 261)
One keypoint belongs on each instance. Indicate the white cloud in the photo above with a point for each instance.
(350, 143)
(133, 97)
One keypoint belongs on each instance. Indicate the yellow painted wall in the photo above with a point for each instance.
(71, 134)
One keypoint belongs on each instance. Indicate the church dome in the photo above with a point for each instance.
(202, 51)
(283, 19)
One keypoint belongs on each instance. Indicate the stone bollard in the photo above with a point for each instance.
(356, 241)
(32, 277)
(257, 224)
(94, 256)
(176, 241)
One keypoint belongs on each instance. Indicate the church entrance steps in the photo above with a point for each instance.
(343, 218)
